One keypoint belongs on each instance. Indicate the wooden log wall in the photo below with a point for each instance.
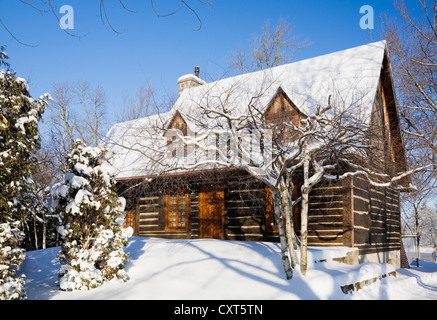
(245, 213)
(354, 213)
(149, 222)
(151, 218)
(328, 214)
(342, 213)
(377, 218)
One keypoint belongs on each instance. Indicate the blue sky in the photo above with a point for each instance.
(158, 50)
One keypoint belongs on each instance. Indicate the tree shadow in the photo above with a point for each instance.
(274, 277)
(424, 267)
(41, 268)
(135, 248)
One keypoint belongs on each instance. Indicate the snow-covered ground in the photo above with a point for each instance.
(216, 269)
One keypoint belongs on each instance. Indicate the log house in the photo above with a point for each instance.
(229, 204)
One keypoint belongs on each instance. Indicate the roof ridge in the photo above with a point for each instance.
(294, 62)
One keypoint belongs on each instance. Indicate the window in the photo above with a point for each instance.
(176, 208)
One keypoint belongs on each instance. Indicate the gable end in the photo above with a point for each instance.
(282, 108)
(178, 123)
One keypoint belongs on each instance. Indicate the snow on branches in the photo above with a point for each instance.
(11, 256)
(92, 221)
(19, 141)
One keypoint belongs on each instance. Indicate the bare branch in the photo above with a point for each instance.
(178, 9)
(14, 37)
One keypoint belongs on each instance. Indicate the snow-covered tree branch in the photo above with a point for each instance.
(19, 142)
(92, 218)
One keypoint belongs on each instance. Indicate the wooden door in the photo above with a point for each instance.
(212, 213)
(270, 216)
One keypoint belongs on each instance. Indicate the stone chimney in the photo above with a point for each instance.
(190, 80)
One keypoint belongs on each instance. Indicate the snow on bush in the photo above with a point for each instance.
(11, 256)
(19, 141)
(92, 221)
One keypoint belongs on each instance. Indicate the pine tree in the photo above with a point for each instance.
(92, 216)
(19, 141)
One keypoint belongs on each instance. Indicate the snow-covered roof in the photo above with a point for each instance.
(130, 142)
(351, 76)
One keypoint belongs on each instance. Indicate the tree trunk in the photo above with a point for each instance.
(35, 232)
(282, 237)
(304, 220)
(44, 235)
(304, 234)
(416, 217)
(289, 225)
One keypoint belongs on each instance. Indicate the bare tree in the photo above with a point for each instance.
(139, 106)
(41, 225)
(184, 4)
(76, 112)
(272, 48)
(429, 225)
(93, 102)
(413, 47)
(144, 103)
(413, 205)
(62, 123)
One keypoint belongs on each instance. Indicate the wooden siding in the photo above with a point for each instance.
(244, 206)
(341, 213)
(280, 111)
(384, 131)
(328, 218)
(377, 218)
(151, 218)
(246, 213)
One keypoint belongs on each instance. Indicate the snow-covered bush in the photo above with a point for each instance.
(11, 256)
(92, 221)
(19, 141)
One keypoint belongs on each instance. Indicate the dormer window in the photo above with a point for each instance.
(281, 112)
(177, 128)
